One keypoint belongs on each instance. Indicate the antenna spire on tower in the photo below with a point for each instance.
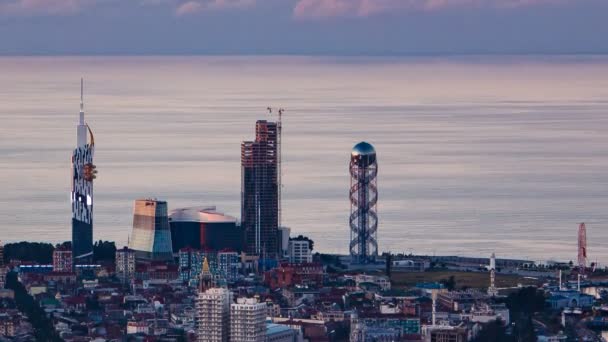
(81, 94)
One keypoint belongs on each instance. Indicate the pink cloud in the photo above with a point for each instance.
(42, 7)
(196, 6)
(364, 8)
(187, 8)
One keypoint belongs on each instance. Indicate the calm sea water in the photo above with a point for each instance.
(476, 154)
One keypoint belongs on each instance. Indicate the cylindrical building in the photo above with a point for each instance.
(204, 228)
(363, 200)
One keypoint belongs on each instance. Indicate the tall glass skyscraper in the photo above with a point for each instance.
(151, 237)
(259, 191)
(83, 173)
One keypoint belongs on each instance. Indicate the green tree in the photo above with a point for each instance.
(43, 326)
(449, 283)
(493, 331)
(104, 251)
(38, 252)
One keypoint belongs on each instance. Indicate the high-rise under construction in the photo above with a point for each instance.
(259, 191)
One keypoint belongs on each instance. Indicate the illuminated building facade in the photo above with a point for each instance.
(83, 174)
(259, 192)
(151, 237)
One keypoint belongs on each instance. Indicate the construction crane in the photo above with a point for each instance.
(279, 169)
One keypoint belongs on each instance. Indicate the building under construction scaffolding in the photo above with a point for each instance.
(259, 191)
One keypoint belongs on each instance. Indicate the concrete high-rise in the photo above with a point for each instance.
(125, 265)
(83, 173)
(259, 191)
(363, 199)
(151, 237)
(213, 315)
(248, 321)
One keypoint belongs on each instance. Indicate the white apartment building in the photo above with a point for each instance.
(299, 252)
(247, 321)
(125, 265)
(213, 315)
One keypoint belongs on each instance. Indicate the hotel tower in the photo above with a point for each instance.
(83, 174)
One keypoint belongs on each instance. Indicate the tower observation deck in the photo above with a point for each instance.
(363, 201)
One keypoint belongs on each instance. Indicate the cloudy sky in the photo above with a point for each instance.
(311, 27)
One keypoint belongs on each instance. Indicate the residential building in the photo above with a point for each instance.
(213, 315)
(299, 251)
(62, 259)
(247, 321)
(190, 265)
(372, 327)
(228, 265)
(125, 265)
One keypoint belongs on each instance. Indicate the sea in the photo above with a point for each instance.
(476, 154)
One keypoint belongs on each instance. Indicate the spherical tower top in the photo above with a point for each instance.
(363, 149)
(363, 154)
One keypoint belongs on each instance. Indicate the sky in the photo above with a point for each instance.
(302, 27)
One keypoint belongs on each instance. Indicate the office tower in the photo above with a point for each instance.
(363, 199)
(83, 174)
(213, 315)
(299, 251)
(228, 264)
(125, 265)
(247, 321)
(204, 228)
(151, 237)
(62, 259)
(259, 191)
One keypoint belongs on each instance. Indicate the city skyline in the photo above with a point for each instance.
(427, 128)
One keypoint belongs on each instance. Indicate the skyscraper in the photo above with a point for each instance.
(259, 191)
(151, 237)
(213, 315)
(83, 173)
(363, 199)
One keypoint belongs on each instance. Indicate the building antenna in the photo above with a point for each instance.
(81, 94)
